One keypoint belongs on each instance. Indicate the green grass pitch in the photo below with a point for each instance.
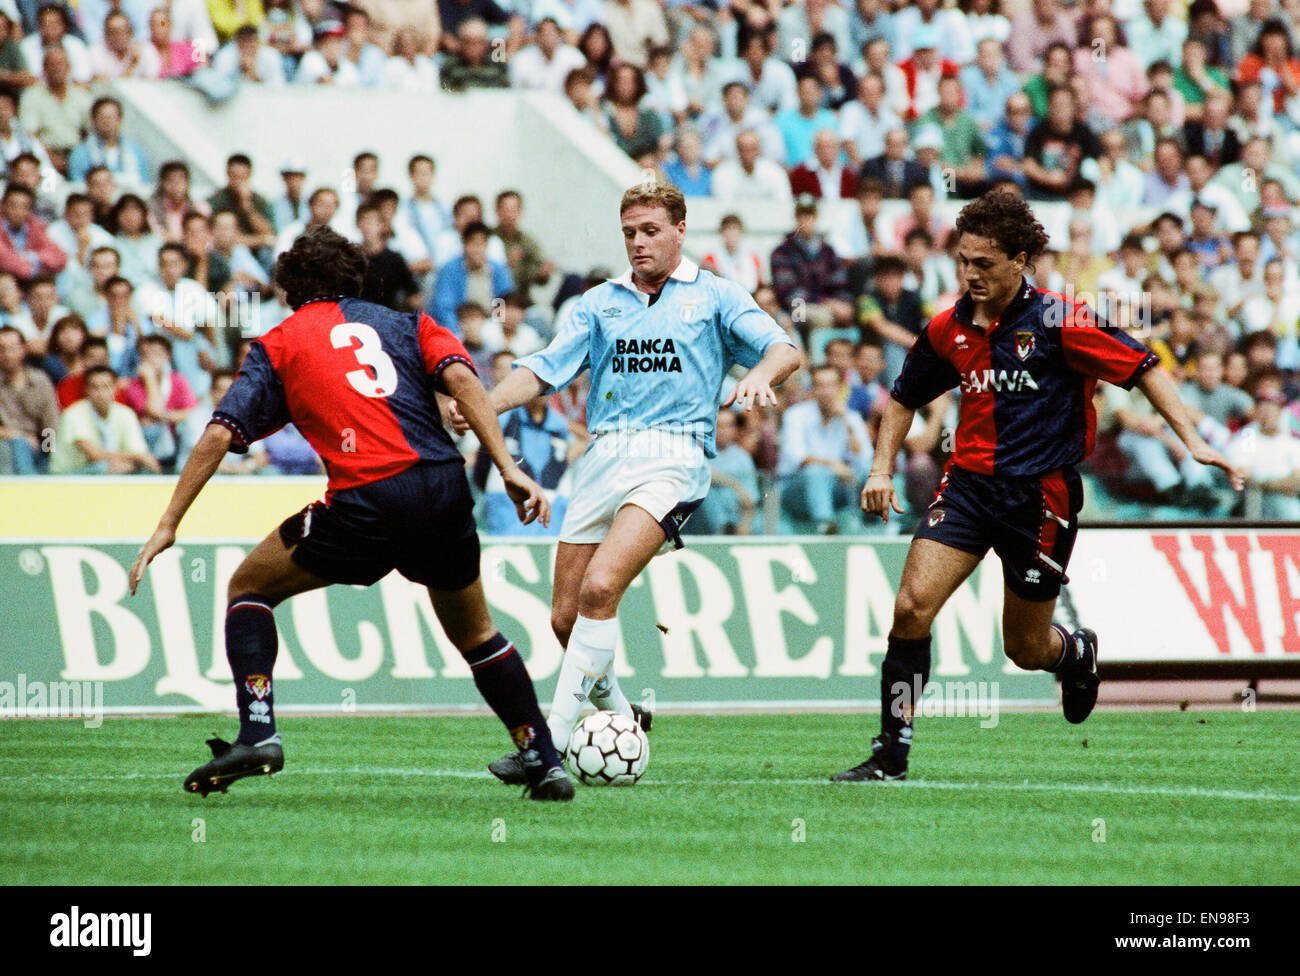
(1152, 798)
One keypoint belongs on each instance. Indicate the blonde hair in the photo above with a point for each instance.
(656, 194)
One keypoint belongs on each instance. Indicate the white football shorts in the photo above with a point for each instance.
(662, 472)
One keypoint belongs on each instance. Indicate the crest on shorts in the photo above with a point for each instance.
(1024, 344)
(936, 517)
(258, 685)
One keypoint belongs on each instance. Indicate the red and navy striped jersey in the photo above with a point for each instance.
(357, 380)
(1026, 383)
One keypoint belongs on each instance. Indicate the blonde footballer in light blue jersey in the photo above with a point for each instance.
(658, 339)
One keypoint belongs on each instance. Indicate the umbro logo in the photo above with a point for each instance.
(612, 312)
(580, 697)
(961, 338)
(1033, 576)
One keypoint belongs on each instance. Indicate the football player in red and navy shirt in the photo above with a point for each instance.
(1026, 362)
(359, 381)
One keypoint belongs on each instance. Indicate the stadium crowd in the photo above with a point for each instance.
(1170, 130)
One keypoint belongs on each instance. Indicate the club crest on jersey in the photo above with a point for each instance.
(1024, 344)
(690, 310)
(258, 685)
(936, 517)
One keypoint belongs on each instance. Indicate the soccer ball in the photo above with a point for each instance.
(608, 749)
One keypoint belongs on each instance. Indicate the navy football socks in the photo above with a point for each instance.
(903, 676)
(503, 681)
(251, 646)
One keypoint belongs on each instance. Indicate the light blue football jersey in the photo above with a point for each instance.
(658, 366)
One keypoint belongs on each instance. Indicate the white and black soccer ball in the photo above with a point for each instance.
(608, 749)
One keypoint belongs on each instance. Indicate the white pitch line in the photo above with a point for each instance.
(915, 784)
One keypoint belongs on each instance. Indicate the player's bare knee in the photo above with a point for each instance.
(562, 622)
(600, 592)
(912, 617)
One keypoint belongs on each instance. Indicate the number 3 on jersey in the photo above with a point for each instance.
(370, 353)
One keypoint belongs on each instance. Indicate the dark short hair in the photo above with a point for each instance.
(76, 198)
(103, 100)
(471, 308)
(1005, 219)
(13, 188)
(239, 159)
(507, 194)
(420, 158)
(94, 371)
(173, 246)
(890, 264)
(173, 166)
(321, 263)
(384, 195)
(116, 280)
(361, 157)
(474, 227)
(157, 339)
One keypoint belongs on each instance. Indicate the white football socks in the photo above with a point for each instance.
(589, 656)
(607, 695)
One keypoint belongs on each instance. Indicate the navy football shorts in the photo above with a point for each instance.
(419, 522)
(1031, 523)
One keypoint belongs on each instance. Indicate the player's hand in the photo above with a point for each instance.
(1207, 455)
(751, 392)
(530, 501)
(878, 497)
(457, 420)
(161, 540)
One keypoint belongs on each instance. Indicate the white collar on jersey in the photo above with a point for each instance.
(686, 270)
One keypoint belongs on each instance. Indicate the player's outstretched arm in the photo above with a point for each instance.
(480, 416)
(878, 495)
(515, 390)
(755, 388)
(199, 469)
(1159, 389)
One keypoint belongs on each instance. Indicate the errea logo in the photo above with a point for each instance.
(997, 381)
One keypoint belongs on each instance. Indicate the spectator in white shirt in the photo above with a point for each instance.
(735, 259)
(720, 127)
(325, 64)
(409, 68)
(572, 16)
(322, 208)
(423, 210)
(865, 120)
(119, 55)
(825, 453)
(544, 64)
(1270, 453)
(246, 59)
(750, 176)
(76, 234)
(54, 29)
(955, 41)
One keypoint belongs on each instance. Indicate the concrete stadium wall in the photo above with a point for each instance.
(570, 175)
